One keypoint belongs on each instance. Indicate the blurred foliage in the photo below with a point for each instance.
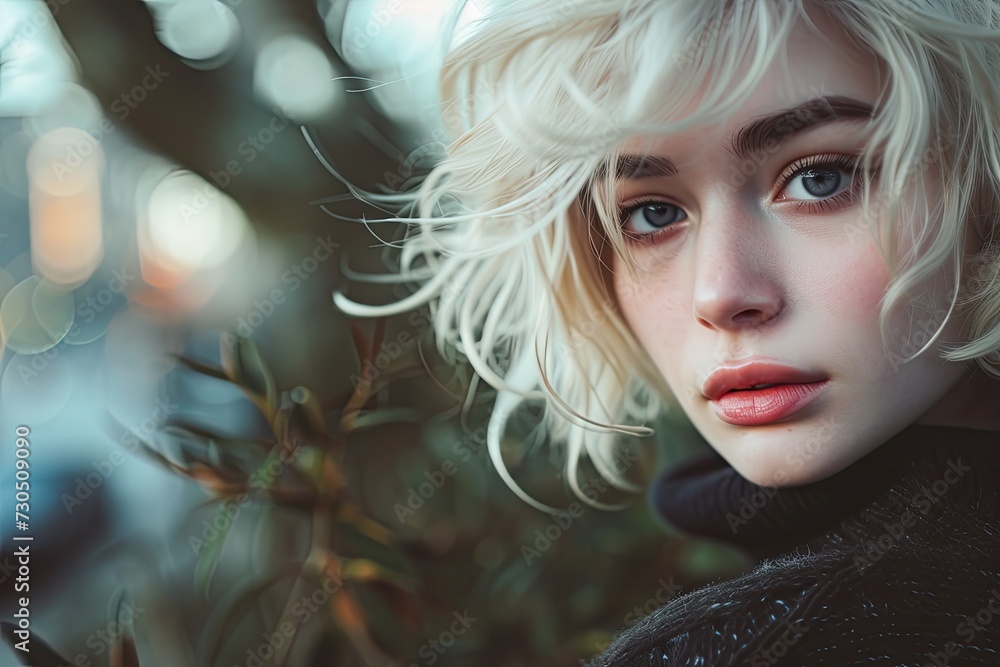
(432, 561)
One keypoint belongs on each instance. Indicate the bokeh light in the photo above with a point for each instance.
(191, 225)
(35, 315)
(72, 106)
(36, 65)
(64, 172)
(399, 46)
(198, 30)
(295, 75)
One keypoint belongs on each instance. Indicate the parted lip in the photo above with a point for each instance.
(753, 372)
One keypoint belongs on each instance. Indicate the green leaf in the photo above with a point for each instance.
(236, 604)
(245, 367)
(208, 559)
(385, 416)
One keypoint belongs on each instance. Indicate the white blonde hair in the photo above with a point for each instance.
(512, 230)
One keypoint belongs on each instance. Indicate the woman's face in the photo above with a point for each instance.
(753, 257)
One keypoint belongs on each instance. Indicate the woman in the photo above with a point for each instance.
(776, 217)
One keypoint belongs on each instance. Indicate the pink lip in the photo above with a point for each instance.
(795, 388)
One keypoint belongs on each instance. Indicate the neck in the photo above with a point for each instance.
(704, 496)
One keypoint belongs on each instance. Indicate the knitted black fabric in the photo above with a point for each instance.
(893, 561)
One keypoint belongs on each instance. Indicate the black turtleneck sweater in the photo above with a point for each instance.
(895, 560)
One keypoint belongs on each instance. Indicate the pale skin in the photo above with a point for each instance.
(762, 269)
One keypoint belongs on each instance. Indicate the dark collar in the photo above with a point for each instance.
(706, 497)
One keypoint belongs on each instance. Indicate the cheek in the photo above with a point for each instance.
(835, 303)
(629, 302)
(849, 287)
(657, 314)
(649, 301)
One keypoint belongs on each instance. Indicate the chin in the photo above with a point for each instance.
(783, 475)
(788, 459)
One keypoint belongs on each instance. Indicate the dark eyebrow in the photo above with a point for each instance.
(633, 165)
(786, 124)
(756, 136)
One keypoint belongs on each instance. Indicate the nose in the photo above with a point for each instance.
(738, 275)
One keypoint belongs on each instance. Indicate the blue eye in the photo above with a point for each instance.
(818, 183)
(651, 217)
(819, 178)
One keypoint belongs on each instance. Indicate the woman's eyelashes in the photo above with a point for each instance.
(650, 216)
(812, 184)
(819, 182)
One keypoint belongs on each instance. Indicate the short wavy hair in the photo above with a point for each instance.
(512, 231)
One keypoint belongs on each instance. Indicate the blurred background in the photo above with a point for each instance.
(224, 470)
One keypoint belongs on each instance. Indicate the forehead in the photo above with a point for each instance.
(819, 59)
(819, 53)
